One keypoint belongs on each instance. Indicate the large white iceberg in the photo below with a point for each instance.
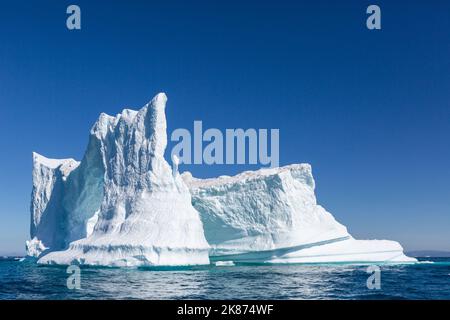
(271, 215)
(123, 205)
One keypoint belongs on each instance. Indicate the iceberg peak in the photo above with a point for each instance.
(123, 205)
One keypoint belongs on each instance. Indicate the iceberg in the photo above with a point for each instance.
(272, 216)
(124, 205)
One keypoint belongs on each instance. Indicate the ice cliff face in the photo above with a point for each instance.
(271, 215)
(262, 210)
(49, 178)
(122, 205)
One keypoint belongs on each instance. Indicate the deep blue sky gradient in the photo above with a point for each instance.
(370, 110)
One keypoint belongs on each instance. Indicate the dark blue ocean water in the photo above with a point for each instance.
(26, 280)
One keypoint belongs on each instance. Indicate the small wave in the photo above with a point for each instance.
(224, 263)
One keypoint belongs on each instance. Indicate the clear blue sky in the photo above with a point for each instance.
(370, 110)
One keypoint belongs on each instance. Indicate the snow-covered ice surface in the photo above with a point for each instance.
(123, 205)
(271, 215)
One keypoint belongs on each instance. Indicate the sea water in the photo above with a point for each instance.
(429, 279)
